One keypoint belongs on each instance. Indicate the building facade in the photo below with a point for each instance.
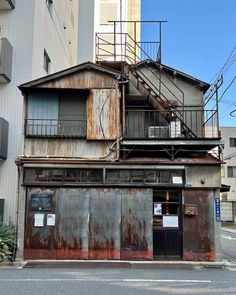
(98, 16)
(118, 167)
(36, 38)
(228, 199)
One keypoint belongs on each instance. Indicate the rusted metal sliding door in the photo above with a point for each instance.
(104, 226)
(136, 236)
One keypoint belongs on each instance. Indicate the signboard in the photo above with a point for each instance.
(41, 202)
(157, 209)
(170, 221)
(217, 207)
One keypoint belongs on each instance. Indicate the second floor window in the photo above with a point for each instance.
(231, 171)
(50, 114)
(232, 142)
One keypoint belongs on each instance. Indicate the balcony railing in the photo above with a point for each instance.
(142, 124)
(55, 128)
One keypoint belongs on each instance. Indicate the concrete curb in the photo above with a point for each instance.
(91, 264)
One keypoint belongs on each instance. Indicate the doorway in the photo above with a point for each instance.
(167, 224)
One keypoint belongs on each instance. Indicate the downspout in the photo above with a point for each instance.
(118, 135)
(17, 208)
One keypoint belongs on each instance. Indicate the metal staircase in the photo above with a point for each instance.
(172, 109)
(138, 66)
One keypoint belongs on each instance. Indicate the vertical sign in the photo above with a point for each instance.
(217, 208)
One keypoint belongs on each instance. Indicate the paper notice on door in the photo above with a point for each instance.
(170, 221)
(157, 209)
(51, 219)
(39, 219)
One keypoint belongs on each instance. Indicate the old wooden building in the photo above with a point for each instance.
(121, 161)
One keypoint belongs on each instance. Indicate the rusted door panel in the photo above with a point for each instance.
(39, 241)
(72, 223)
(136, 236)
(104, 228)
(198, 242)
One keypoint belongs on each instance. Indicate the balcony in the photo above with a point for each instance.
(3, 138)
(7, 4)
(55, 128)
(5, 60)
(151, 125)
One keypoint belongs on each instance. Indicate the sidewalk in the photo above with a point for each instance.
(91, 264)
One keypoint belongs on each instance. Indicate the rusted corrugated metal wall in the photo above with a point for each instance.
(92, 223)
(198, 240)
(137, 224)
(83, 80)
(102, 114)
(104, 225)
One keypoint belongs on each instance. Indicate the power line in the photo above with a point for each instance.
(227, 87)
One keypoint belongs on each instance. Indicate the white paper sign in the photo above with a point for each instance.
(177, 179)
(157, 209)
(39, 219)
(170, 221)
(51, 219)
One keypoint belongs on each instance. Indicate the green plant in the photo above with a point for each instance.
(7, 242)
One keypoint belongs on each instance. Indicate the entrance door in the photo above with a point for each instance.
(167, 228)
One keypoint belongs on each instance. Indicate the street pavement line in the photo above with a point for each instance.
(228, 237)
(107, 280)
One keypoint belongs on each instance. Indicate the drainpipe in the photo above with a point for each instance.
(118, 137)
(17, 207)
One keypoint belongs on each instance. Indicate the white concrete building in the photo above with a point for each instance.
(228, 199)
(37, 37)
(96, 16)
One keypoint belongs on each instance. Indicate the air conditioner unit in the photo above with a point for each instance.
(175, 129)
(158, 131)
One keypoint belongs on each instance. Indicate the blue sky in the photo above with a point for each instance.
(197, 39)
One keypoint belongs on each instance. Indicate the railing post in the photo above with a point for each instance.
(217, 110)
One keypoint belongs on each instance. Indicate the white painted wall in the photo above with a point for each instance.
(226, 133)
(30, 29)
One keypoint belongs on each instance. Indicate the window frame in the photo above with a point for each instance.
(231, 171)
(232, 142)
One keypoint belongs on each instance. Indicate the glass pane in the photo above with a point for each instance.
(95, 175)
(174, 196)
(151, 176)
(30, 175)
(112, 176)
(124, 176)
(137, 176)
(43, 174)
(57, 174)
(70, 175)
(165, 177)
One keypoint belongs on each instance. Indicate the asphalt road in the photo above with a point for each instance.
(117, 281)
(228, 240)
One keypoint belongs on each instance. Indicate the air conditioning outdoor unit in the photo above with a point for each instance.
(175, 129)
(158, 131)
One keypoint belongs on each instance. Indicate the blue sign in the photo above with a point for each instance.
(217, 208)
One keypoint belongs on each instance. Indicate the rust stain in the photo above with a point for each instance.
(85, 79)
(198, 244)
(193, 256)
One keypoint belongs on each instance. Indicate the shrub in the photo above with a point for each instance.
(7, 242)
